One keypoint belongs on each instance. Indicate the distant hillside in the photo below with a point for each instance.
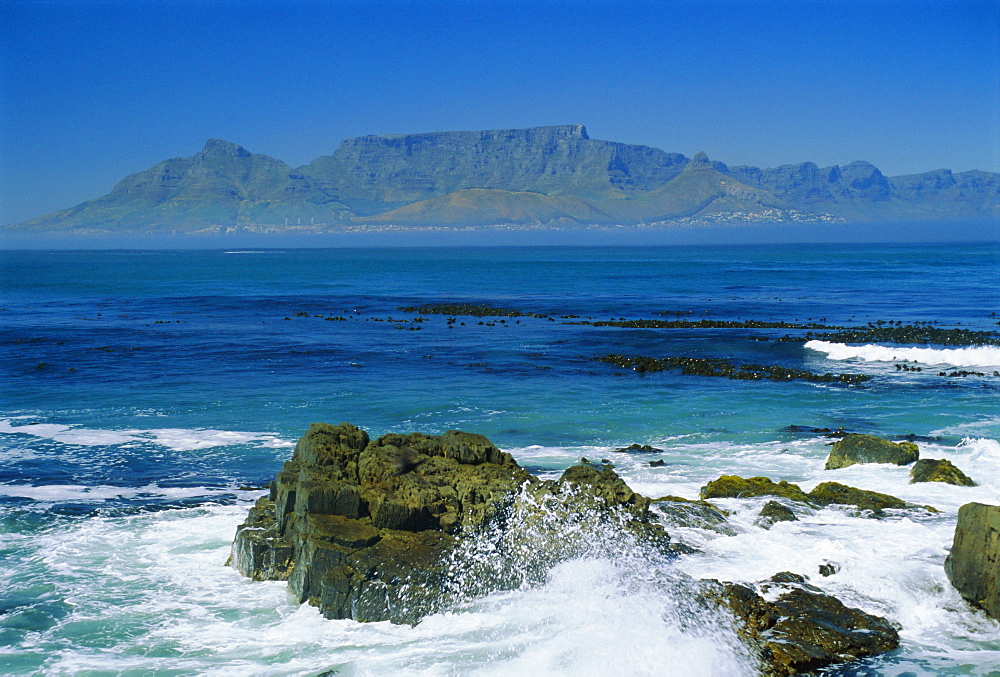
(541, 177)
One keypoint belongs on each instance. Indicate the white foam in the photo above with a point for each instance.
(164, 572)
(976, 356)
(56, 493)
(980, 449)
(177, 439)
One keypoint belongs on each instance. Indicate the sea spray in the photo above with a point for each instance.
(579, 592)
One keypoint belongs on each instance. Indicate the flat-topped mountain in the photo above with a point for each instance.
(537, 177)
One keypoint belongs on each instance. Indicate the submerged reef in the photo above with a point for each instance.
(467, 309)
(918, 333)
(718, 367)
(407, 525)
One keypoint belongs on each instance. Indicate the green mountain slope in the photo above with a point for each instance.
(486, 207)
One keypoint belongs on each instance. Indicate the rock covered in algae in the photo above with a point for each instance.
(857, 448)
(798, 629)
(826, 493)
(734, 486)
(973, 565)
(834, 493)
(364, 529)
(939, 470)
(358, 527)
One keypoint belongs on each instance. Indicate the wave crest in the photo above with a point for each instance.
(976, 356)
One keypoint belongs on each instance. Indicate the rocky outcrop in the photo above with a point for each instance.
(973, 565)
(826, 493)
(405, 525)
(359, 527)
(369, 529)
(939, 470)
(797, 628)
(856, 448)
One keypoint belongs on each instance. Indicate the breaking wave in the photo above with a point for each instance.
(177, 439)
(976, 356)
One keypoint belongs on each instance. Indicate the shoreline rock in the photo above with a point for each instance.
(797, 628)
(406, 525)
(973, 565)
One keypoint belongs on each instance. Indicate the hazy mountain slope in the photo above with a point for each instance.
(370, 172)
(222, 184)
(859, 191)
(700, 188)
(539, 176)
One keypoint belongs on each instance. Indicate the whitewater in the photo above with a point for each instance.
(149, 397)
(986, 357)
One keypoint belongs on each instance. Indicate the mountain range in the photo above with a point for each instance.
(540, 177)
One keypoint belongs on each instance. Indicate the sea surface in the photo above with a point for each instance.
(147, 396)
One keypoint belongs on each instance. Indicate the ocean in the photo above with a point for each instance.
(149, 396)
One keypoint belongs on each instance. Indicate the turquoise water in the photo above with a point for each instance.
(146, 393)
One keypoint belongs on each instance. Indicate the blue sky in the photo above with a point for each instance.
(93, 91)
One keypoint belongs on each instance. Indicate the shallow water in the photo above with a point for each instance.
(146, 394)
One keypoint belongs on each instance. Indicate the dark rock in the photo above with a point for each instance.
(973, 565)
(733, 486)
(802, 629)
(804, 429)
(826, 432)
(938, 470)
(856, 448)
(912, 437)
(640, 449)
(658, 463)
(775, 512)
(828, 569)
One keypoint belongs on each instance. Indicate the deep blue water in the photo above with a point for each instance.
(143, 391)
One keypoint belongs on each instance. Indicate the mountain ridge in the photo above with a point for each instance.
(536, 177)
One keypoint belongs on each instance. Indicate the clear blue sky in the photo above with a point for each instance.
(93, 91)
